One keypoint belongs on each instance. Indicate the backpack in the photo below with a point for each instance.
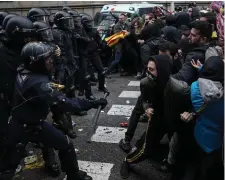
(209, 50)
(213, 51)
(154, 45)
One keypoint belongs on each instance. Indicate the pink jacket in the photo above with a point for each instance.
(217, 5)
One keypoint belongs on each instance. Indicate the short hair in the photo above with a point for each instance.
(173, 48)
(164, 46)
(205, 29)
(122, 14)
(211, 18)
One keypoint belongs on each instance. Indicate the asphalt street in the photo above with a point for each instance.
(102, 157)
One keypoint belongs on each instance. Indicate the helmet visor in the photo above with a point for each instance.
(42, 18)
(77, 20)
(68, 22)
(25, 32)
(88, 23)
(46, 35)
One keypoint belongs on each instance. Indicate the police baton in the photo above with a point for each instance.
(95, 120)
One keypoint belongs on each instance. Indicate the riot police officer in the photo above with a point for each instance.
(38, 14)
(93, 47)
(18, 31)
(32, 98)
(81, 41)
(44, 34)
(3, 36)
(61, 120)
(63, 38)
(2, 17)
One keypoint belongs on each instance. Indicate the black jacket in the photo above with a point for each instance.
(95, 42)
(64, 40)
(82, 41)
(10, 60)
(149, 48)
(188, 73)
(34, 95)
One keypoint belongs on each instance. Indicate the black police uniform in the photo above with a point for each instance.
(80, 42)
(33, 96)
(10, 55)
(93, 47)
(63, 38)
(62, 120)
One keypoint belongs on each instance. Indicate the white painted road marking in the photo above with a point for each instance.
(97, 170)
(134, 83)
(121, 110)
(130, 94)
(108, 134)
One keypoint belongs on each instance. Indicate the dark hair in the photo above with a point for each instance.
(211, 18)
(170, 20)
(204, 28)
(164, 45)
(173, 48)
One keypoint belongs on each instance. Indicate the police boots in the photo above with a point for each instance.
(51, 164)
(70, 166)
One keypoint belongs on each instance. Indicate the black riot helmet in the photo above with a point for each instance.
(87, 22)
(76, 17)
(37, 57)
(5, 21)
(2, 17)
(66, 9)
(38, 14)
(19, 30)
(43, 32)
(63, 20)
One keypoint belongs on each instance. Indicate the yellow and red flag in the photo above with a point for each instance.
(114, 39)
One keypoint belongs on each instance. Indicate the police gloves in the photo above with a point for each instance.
(100, 102)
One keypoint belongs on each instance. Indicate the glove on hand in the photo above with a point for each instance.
(100, 102)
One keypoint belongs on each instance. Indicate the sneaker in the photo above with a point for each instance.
(124, 170)
(125, 145)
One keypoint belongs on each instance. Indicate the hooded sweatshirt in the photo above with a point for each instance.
(153, 96)
(182, 18)
(208, 102)
(170, 34)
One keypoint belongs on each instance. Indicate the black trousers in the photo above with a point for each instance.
(42, 133)
(133, 121)
(150, 139)
(83, 76)
(4, 116)
(97, 63)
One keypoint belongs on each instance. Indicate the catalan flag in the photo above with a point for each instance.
(114, 39)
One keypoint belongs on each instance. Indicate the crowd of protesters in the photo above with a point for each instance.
(180, 62)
